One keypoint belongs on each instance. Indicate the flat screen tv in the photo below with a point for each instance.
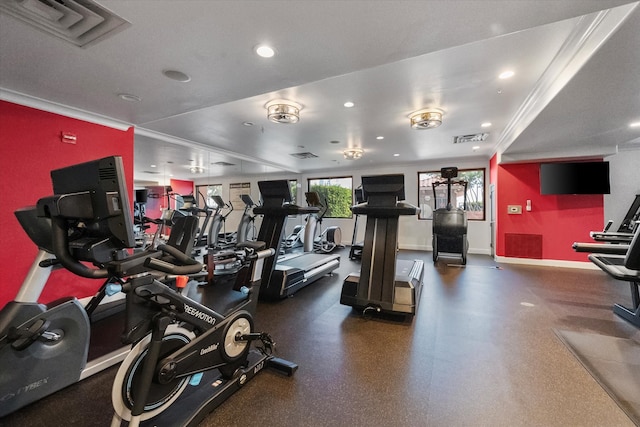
(574, 178)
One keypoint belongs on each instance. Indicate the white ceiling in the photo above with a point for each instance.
(575, 90)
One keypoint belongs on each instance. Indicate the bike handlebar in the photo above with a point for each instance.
(189, 265)
(167, 267)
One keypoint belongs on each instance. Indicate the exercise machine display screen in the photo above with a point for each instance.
(275, 190)
(392, 185)
(106, 212)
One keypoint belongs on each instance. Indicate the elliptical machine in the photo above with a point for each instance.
(190, 205)
(449, 223)
(217, 237)
(329, 238)
(246, 227)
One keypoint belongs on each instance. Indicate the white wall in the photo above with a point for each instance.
(625, 184)
(413, 233)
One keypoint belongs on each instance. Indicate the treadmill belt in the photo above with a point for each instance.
(307, 261)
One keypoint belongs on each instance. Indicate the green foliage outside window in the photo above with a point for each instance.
(293, 189)
(337, 194)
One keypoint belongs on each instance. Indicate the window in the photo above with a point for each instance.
(206, 191)
(293, 189)
(474, 195)
(338, 195)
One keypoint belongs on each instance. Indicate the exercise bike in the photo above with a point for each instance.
(45, 348)
(188, 353)
(90, 222)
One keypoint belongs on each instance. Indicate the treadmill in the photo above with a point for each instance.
(384, 284)
(282, 278)
(356, 247)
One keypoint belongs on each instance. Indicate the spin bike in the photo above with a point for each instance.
(186, 352)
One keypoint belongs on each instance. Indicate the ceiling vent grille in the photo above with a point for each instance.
(224, 164)
(476, 137)
(79, 22)
(306, 155)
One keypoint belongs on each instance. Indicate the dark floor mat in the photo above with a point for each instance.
(613, 362)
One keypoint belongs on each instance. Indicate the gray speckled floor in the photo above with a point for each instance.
(481, 351)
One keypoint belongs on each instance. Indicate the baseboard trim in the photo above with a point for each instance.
(476, 251)
(547, 262)
(583, 265)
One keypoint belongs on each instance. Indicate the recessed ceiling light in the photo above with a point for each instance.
(129, 97)
(265, 51)
(634, 125)
(176, 75)
(506, 74)
(396, 155)
(486, 124)
(153, 166)
(380, 137)
(475, 147)
(349, 104)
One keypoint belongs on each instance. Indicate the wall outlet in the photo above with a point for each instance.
(514, 209)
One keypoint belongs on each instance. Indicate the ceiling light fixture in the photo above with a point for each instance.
(634, 125)
(349, 104)
(380, 137)
(353, 153)
(426, 119)
(197, 169)
(265, 51)
(506, 74)
(282, 111)
(486, 124)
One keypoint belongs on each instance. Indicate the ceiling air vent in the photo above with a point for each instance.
(476, 137)
(306, 155)
(224, 164)
(80, 22)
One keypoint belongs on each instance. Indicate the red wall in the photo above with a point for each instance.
(183, 188)
(560, 219)
(31, 147)
(157, 202)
